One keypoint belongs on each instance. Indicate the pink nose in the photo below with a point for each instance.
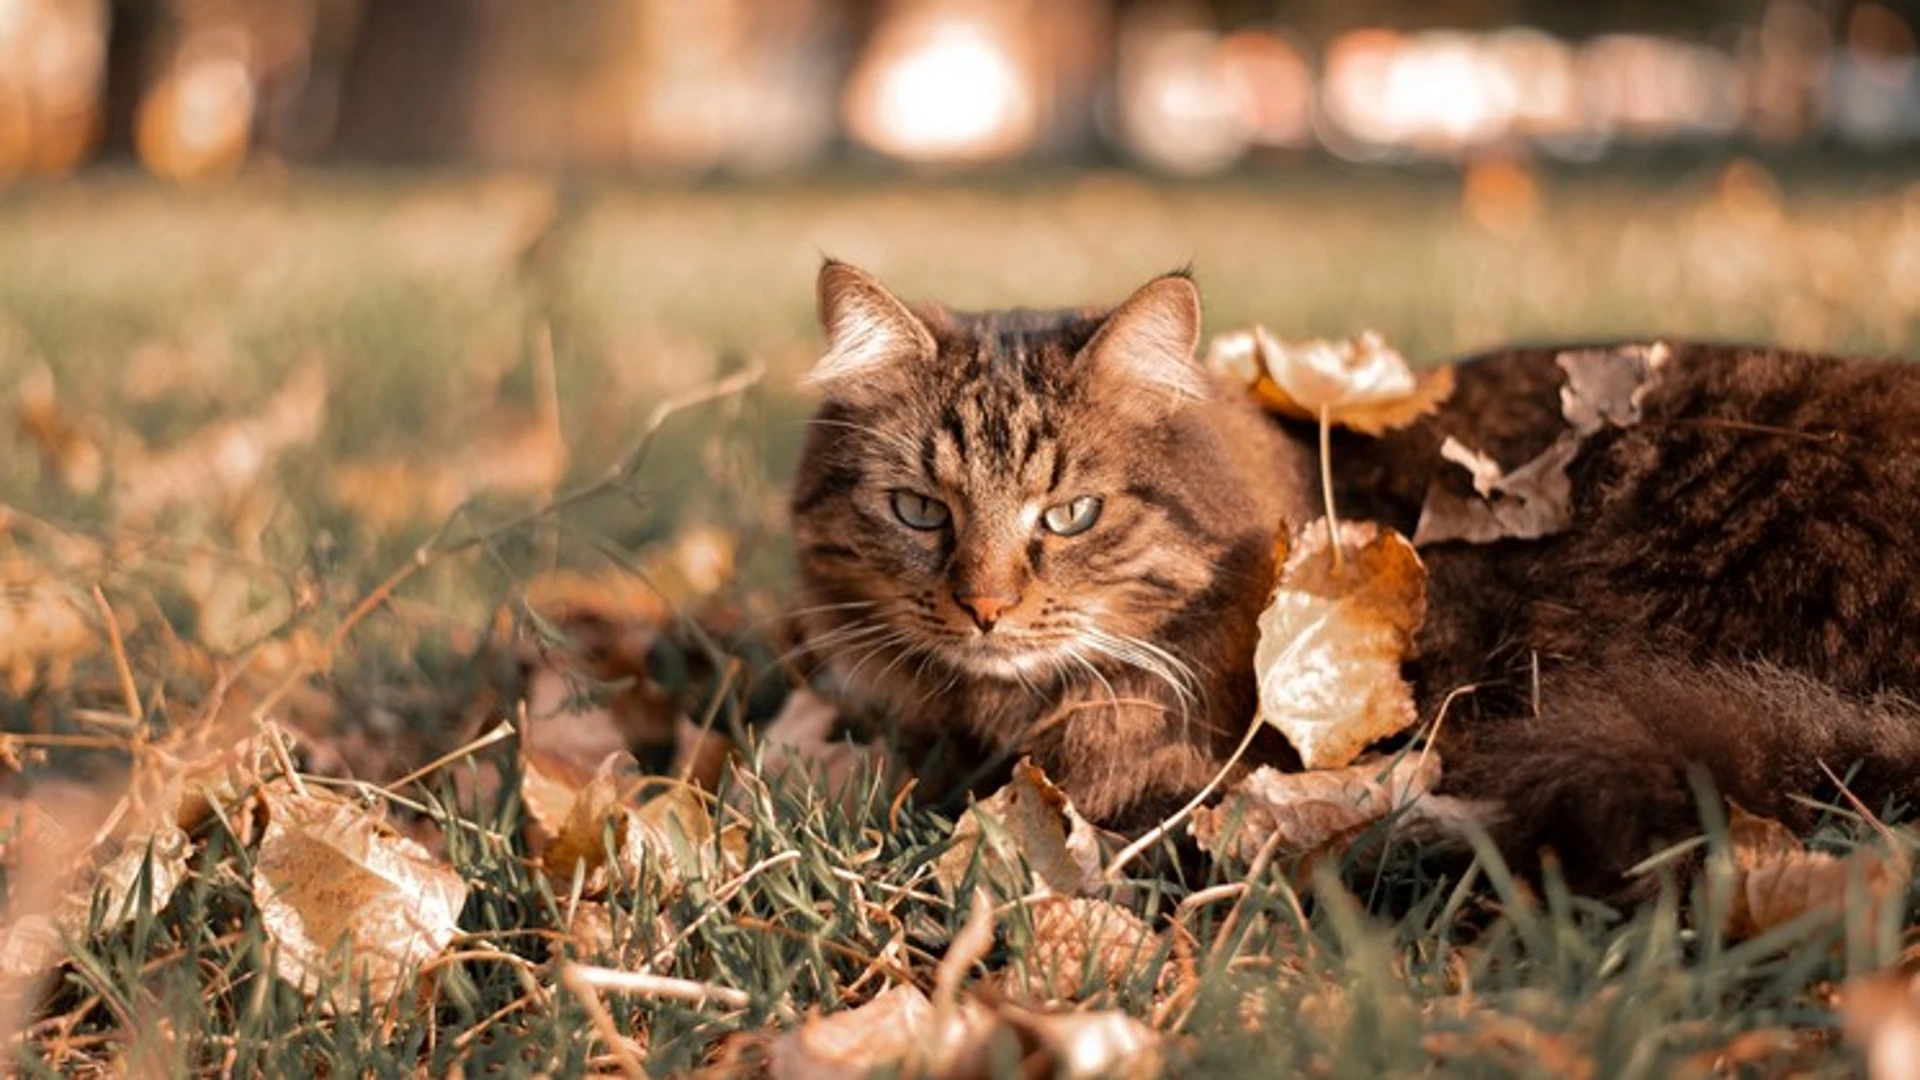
(986, 609)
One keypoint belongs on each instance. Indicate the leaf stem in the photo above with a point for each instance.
(1326, 488)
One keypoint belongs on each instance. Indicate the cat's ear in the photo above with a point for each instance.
(1149, 340)
(867, 328)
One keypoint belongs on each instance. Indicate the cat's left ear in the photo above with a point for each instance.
(1149, 340)
(868, 330)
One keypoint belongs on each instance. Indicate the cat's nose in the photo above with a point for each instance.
(986, 608)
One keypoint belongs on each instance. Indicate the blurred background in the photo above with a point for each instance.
(290, 287)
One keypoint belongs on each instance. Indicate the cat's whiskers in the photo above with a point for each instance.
(1149, 659)
(891, 639)
(824, 645)
(1072, 653)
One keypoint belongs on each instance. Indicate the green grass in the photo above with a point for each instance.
(427, 300)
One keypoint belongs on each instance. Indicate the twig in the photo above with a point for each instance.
(1133, 850)
(501, 732)
(128, 690)
(573, 978)
(1326, 488)
(582, 976)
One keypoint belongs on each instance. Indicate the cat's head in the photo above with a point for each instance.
(1013, 495)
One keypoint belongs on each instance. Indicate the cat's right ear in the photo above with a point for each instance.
(867, 328)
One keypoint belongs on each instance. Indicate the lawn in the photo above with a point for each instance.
(381, 462)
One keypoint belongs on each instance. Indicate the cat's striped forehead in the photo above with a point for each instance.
(1005, 382)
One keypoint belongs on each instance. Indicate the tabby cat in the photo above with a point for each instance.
(1050, 533)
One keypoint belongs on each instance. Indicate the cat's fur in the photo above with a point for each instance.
(1739, 590)
(1738, 593)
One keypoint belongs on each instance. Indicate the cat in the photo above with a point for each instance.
(1042, 531)
(1051, 534)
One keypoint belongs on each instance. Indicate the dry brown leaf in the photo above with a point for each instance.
(1532, 501)
(673, 828)
(45, 626)
(119, 878)
(1363, 383)
(1606, 386)
(329, 876)
(1777, 880)
(549, 787)
(1089, 1045)
(67, 448)
(1031, 821)
(1332, 640)
(225, 458)
(899, 1026)
(1773, 1051)
(1881, 1017)
(1083, 941)
(1309, 809)
(1515, 1040)
(609, 635)
(580, 847)
(801, 738)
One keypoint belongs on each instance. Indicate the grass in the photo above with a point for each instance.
(486, 342)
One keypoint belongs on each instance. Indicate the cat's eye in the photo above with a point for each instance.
(1072, 518)
(916, 511)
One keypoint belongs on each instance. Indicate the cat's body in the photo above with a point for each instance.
(1738, 589)
(1737, 592)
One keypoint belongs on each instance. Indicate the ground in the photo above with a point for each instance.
(307, 431)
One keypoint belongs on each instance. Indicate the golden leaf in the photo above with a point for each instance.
(1363, 383)
(1108, 1044)
(1083, 941)
(1881, 1016)
(897, 1027)
(1029, 820)
(801, 738)
(1776, 880)
(330, 877)
(673, 828)
(1332, 640)
(1309, 809)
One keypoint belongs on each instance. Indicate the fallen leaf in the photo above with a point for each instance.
(1029, 822)
(800, 738)
(1532, 501)
(1775, 1051)
(1776, 880)
(67, 448)
(1083, 941)
(118, 881)
(673, 829)
(1881, 1017)
(1090, 1045)
(1332, 640)
(579, 845)
(1305, 810)
(549, 786)
(330, 876)
(605, 639)
(1513, 1041)
(897, 1027)
(1606, 386)
(45, 626)
(1362, 383)
(225, 458)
